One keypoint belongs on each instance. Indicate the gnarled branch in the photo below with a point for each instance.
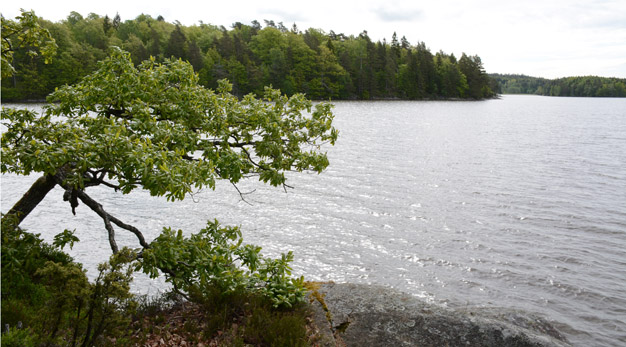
(59, 178)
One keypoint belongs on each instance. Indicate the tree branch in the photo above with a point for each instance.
(59, 178)
(132, 229)
(108, 219)
(31, 198)
(97, 208)
(230, 144)
(241, 195)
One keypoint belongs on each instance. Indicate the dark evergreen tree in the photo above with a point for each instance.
(177, 44)
(116, 21)
(195, 56)
(477, 79)
(106, 24)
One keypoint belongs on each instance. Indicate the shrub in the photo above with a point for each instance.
(44, 290)
(215, 258)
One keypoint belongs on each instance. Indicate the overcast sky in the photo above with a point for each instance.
(543, 38)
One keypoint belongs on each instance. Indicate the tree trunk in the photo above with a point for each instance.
(31, 199)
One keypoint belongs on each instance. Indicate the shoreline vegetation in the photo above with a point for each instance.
(322, 65)
(581, 86)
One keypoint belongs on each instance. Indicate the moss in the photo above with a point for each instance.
(315, 295)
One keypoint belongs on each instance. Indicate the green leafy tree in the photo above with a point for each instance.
(24, 32)
(154, 127)
(269, 46)
(136, 48)
(451, 81)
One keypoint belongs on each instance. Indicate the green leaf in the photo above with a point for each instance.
(65, 238)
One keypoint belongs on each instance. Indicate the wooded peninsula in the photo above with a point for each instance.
(321, 65)
(584, 86)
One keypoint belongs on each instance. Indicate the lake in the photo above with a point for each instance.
(518, 202)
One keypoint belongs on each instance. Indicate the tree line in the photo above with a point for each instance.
(321, 65)
(585, 86)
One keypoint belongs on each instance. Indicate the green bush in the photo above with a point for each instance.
(215, 258)
(19, 338)
(49, 294)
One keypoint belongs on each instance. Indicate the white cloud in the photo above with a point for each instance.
(398, 14)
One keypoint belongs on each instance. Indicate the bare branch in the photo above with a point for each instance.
(241, 195)
(285, 186)
(97, 207)
(110, 185)
(96, 178)
(111, 231)
(132, 229)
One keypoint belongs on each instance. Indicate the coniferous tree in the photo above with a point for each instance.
(177, 44)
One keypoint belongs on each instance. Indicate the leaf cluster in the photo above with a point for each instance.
(153, 126)
(25, 32)
(216, 259)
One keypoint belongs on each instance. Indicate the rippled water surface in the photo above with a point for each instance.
(518, 202)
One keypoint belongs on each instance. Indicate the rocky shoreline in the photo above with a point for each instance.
(366, 315)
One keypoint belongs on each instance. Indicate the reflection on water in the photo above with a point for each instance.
(518, 202)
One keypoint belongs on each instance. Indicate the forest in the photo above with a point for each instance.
(585, 86)
(322, 65)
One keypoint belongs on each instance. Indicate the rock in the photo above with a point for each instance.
(365, 315)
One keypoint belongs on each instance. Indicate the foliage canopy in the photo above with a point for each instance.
(25, 33)
(322, 65)
(583, 86)
(154, 127)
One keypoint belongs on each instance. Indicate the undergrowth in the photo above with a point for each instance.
(47, 300)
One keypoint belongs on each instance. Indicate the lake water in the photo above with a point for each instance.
(518, 202)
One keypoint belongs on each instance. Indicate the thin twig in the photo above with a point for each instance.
(241, 195)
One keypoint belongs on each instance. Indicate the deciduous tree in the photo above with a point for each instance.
(25, 32)
(154, 127)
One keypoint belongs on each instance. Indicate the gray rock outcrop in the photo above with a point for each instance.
(364, 315)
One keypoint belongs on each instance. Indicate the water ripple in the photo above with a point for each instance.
(518, 202)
